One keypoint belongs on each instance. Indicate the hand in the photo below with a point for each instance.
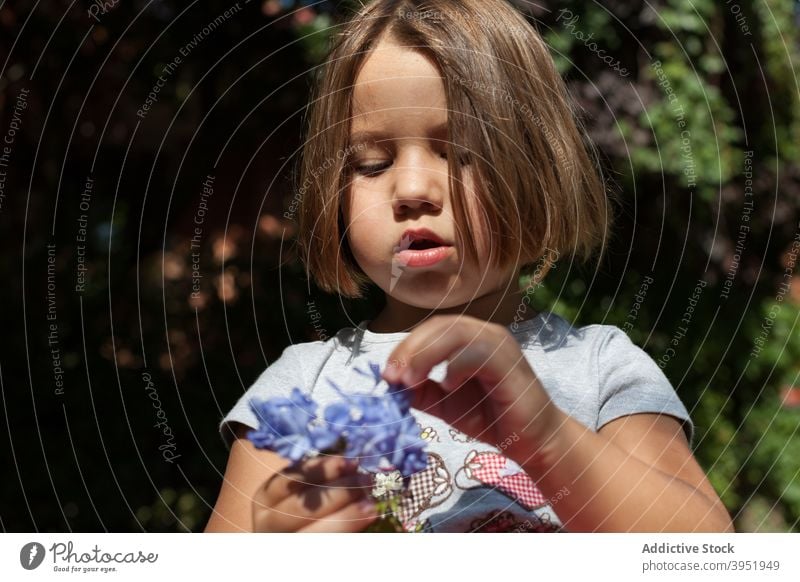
(490, 392)
(324, 494)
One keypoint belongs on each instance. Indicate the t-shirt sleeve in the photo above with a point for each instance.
(296, 366)
(631, 382)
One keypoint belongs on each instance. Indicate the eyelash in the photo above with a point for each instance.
(370, 171)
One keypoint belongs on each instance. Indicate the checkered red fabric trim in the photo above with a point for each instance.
(433, 481)
(487, 468)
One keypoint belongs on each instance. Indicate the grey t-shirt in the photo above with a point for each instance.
(593, 373)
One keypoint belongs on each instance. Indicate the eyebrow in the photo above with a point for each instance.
(364, 136)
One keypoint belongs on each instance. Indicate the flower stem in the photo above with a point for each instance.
(387, 522)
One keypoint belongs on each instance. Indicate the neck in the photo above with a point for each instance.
(502, 307)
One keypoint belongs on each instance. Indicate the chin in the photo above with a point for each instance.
(432, 300)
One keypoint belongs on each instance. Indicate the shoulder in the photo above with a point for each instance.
(601, 352)
(299, 365)
(557, 333)
(607, 348)
(597, 373)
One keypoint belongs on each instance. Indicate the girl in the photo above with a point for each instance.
(442, 160)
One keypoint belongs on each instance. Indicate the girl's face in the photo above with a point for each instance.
(399, 187)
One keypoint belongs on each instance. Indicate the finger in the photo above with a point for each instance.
(491, 369)
(475, 352)
(424, 333)
(464, 408)
(510, 391)
(352, 518)
(292, 479)
(515, 401)
(440, 339)
(429, 397)
(465, 364)
(316, 502)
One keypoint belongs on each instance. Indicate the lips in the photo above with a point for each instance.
(420, 239)
(420, 247)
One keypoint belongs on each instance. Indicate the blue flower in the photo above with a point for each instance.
(401, 396)
(374, 372)
(283, 425)
(378, 431)
(410, 456)
(323, 438)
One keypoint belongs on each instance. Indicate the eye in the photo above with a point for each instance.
(371, 170)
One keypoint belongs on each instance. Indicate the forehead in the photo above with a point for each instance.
(397, 81)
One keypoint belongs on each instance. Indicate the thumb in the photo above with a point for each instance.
(427, 396)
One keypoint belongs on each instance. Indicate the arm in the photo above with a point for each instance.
(248, 468)
(636, 474)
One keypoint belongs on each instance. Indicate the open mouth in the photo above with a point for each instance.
(421, 248)
(421, 245)
(420, 240)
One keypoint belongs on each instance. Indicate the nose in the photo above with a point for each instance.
(421, 182)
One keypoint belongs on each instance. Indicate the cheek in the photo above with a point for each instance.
(355, 206)
(353, 209)
(362, 226)
(357, 236)
(366, 207)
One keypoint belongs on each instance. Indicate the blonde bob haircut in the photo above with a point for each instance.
(509, 112)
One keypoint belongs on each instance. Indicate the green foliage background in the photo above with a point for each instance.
(89, 459)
